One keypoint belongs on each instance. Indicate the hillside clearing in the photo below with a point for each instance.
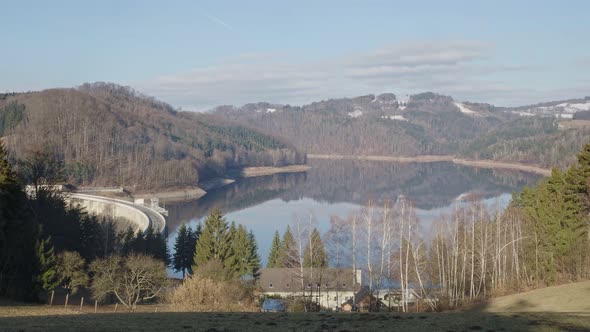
(573, 297)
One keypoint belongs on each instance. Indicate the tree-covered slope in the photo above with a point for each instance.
(110, 135)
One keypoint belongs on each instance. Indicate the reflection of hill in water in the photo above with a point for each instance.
(236, 196)
(431, 185)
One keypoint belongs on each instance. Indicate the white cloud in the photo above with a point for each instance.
(464, 69)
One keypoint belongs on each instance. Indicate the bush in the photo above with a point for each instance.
(198, 293)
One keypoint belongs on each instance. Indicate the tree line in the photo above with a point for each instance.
(542, 238)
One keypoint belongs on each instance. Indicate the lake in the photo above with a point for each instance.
(339, 188)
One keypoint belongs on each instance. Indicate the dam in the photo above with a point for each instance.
(140, 215)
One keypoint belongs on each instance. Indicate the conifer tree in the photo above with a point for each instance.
(18, 235)
(253, 258)
(238, 259)
(315, 252)
(289, 254)
(273, 255)
(191, 246)
(47, 275)
(180, 245)
(213, 242)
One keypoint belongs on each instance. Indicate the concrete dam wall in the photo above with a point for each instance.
(141, 216)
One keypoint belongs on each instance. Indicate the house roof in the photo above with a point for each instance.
(289, 280)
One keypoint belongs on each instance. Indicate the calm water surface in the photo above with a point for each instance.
(339, 188)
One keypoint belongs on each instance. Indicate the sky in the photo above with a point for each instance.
(199, 54)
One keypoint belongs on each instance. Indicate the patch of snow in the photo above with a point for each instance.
(394, 117)
(271, 110)
(355, 114)
(564, 116)
(464, 109)
(524, 113)
(401, 108)
(573, 108)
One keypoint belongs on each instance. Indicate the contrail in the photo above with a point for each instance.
(217, 20)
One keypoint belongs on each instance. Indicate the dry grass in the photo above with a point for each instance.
(574, 124)
(174, 321)
(573, 297)
(560, 308)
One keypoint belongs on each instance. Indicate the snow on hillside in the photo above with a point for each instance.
(394, 117)
(465, 110)
(355, 114)
(573, 108)
(271, 110)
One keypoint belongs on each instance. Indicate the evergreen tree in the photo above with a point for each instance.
(315, 253)
(213, 242)
(238, 258)
(47, 275)
(180, 245)
(273, 255)
(193, 236)
(18, 235)
(289, 254)
(253, 258)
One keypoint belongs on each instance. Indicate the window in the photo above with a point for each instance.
(335, 298)
(343, 285)
(287, 285)
(326, 285)
(269, 285)
(308, 285)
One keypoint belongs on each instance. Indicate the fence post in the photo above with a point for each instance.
(95, 305)
(51, 301)
(81, 303)
(116, 305)
(66, 304)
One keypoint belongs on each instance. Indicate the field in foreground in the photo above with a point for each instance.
(173, 321)
(559, 308)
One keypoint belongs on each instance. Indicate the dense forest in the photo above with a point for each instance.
(425, 123)
(106, 134)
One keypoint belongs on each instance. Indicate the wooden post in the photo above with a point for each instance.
(51, 301)
(156, 309)
(66, 304)
(116, 305)
(95, 305)
(81, 303)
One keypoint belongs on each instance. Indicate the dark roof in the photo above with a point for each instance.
(273, 305)
(289, 280)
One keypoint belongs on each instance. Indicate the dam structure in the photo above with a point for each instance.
(140, 215)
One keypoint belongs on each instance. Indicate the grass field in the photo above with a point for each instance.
(561, 308)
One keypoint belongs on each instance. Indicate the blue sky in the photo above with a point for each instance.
(199, 54)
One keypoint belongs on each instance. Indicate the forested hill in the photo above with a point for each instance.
(425, 123)
(106, 134)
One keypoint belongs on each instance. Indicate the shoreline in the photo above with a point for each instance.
(190, 193)
(483, 163)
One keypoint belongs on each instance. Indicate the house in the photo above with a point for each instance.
(273, 305)
(363, 301)
(328, 287)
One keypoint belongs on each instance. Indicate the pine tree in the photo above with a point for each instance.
(273, 255)
(315, 253)
(289, 254)
(47, 277)
(237, 261)
(18, 235)
(191, 246)
(182, 241)
(253, 258)
(213, 242)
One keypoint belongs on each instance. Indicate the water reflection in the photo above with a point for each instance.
(266, 204)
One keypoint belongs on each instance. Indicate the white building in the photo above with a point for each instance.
(329, 287)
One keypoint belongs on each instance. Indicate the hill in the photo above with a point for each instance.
(111, 135)
(563, 298)
(421, 124)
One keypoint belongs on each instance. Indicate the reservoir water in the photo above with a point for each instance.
(338, 188)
